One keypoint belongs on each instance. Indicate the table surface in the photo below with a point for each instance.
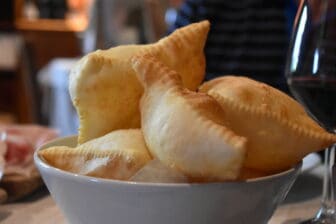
(301, 203)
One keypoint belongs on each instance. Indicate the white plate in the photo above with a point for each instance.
(310, 162)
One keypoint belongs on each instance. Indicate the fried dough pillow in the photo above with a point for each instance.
(184, 129)
(117, 155)
(278, 130)
(105, 91)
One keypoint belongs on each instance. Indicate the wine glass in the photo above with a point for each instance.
(3, 150)
(311, 76)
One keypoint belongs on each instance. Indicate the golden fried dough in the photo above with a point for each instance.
(156, 172)
(106, 92)
(278, 130)
(117, 155)
(184, 129)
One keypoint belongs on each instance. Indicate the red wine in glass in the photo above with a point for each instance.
(318, 97)
(311, 76)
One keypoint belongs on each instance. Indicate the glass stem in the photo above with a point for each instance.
(327, 210)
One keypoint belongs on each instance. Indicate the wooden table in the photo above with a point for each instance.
(301, 203)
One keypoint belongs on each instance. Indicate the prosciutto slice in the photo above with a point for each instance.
(17, 146)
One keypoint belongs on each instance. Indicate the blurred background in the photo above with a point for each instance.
(40, 40)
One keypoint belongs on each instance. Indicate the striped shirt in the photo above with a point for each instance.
(247, 37)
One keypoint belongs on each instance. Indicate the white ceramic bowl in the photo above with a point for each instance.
(87, 200)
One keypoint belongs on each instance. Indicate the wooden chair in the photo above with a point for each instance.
(17, 98)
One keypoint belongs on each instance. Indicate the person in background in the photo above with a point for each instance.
(247, 37)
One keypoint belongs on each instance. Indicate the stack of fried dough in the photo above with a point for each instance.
(144, 103)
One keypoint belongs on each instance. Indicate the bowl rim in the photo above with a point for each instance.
(41, 163)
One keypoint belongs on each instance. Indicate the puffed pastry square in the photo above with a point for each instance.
(105, 91)
(117, 155)
(278, 130)
(184, 129)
